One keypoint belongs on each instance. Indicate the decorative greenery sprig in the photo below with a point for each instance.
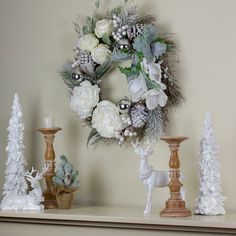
(66, 178)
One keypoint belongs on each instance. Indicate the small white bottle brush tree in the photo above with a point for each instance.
(210, 200)
(15, 196)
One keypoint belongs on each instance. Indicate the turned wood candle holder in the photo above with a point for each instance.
(50, 201)
(175, 205)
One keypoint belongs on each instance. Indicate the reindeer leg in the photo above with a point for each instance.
(149, 200)
(145, 210)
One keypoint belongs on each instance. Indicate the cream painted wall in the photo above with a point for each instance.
(37, 36)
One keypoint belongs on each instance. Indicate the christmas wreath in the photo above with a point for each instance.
(103, 41)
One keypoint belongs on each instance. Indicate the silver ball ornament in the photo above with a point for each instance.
(124, 106)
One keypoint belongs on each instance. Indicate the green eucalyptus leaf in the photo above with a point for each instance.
(158, 49)
(125, 70)
(106, 39)
(88, 20)
(121, 56)
(92, 133)
(97, 3)
(142, 43)
(102, 69)
(86, 29)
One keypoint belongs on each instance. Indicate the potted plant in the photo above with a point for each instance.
(65, 183)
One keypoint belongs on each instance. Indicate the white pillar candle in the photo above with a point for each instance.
(48, 122)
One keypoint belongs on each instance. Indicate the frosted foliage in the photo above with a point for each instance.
(210, 200)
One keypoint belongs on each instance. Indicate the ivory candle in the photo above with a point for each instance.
(48, 122)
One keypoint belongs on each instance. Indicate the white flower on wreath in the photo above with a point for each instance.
(103, 27)
(101, 54)
(137, 88)
(107, 120)
(154, 71)
(87, 42)
(154, 98)
(85, 97)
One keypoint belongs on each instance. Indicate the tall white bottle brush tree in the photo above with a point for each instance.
(210, 200)
(15, 190)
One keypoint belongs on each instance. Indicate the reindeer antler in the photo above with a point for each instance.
(136, 143)
(30, 174)
(44, 170)
(38, 175)
(141, 151)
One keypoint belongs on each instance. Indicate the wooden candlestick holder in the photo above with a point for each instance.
(50, 201)
(175, 205)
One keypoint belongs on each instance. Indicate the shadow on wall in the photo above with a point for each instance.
(32, 134)
(96, 189)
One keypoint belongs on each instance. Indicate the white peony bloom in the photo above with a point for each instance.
(155, 98)
(101, 54)
(154, 71)
(103, 27)
(137, 88)
(87, 42)
(85, 97)
(106, 119)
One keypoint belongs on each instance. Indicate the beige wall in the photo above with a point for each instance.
(37, 36)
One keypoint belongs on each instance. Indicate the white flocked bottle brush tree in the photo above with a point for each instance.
(210, 200)
(15, 184)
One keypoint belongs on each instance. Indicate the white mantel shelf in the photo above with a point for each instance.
(126, 218)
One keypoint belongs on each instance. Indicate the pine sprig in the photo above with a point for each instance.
(106, 40)
(128, 16)
(66, 74)
(173, 91)
(145, 19)
(156, 124)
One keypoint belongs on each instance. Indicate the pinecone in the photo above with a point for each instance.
(85, 57)
(138, 115)
(135, 30)
(86, 62)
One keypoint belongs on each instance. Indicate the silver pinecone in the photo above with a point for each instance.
(86, 63)
(135, 30)
(138, 115)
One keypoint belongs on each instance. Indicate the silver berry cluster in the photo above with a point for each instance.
(129, 132)
(120, 30)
